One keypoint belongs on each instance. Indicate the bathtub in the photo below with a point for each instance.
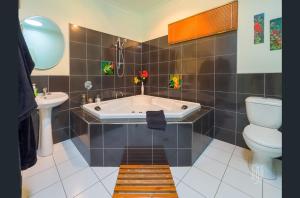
(136, 107)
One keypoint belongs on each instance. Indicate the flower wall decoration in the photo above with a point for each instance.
(276, 34)
(175, 81)
(259, 28)
(142, 77)
(108, 67)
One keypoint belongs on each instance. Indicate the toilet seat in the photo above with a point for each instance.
(263, 136)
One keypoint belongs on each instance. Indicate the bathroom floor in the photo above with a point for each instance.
(221, 171)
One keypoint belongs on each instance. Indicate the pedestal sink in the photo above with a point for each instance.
(45, 105)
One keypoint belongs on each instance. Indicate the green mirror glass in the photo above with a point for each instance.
(44, 40)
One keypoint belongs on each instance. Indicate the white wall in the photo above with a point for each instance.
(251, 58)
(93, 14)
(257, 58)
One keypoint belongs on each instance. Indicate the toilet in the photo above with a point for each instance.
(262, 135)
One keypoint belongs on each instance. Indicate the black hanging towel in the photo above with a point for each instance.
(156, 120)
(27, 104)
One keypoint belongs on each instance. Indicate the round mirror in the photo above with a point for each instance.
(45, 41)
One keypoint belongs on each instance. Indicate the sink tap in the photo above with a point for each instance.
(45, 91)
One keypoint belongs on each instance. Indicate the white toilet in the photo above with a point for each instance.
(262, 136)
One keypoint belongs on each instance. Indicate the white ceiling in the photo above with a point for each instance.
(137, 5)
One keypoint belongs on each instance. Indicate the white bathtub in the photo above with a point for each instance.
(136, 107)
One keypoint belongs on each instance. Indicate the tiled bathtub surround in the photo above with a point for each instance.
(209, 74)
(111, 142)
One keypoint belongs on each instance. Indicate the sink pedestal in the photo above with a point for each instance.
(45, 133)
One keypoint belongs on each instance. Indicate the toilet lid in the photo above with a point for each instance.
(263, 136)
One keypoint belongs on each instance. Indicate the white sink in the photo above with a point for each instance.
(45, 105)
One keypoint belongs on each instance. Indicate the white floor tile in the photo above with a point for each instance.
(65, 154)
(110, 182)
(242, 153)
(217, 154)
(65, 145)
(179, 172)
(239, 163)
(222, 145)
(95, 191)
(244, 182)
(202, 182)
(79, 182)
(71, 166)
(278, 181)
(43, 163)
(176, 181)
(56, 190)
(226, 191)
(270, 191)
(185, 191)
(103, 172)
(41, 180)
(210, 166)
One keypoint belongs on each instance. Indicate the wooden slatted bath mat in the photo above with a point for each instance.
(145, 181)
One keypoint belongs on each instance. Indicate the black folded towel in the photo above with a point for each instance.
(156, 120)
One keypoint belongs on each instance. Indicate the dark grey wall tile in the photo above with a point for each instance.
(225, 82)
(153, 57)
(93, 37)
(59, 84)
(93, 67)
(163, 68)
(77, 34)
(139, 156)
(205, 65)
(226, 43)
(189, 66)
(205, 98)
(77, 83)
(185, 135)
(225, 119)
(145, 57)
(189, 50)
(77, 50)
(93, 52)
(145, 46)
(226, 64)
(96, 82)
(167, 138)
(97, 157)
(78, 67)
(129, 56)
(164, 55)
(175, 94)
(242, 122)
(60, 135)
(225, 135)
(163, 92)
(108, 54)
(96, 136)
(60, 120)
(107, 82)
(274, 84)
(139, 135)
(153, 44)
(175, 53)
(205, 82)
(107, 40)
(189, 82)
(205, 47)
(115, 135)
(163, 81)
(41, 82)
(225, 101)
(114, 157)
(250, 83)
(189, 95)
(153, 68)
(184, 157)
(163, 42)
(75, 99)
